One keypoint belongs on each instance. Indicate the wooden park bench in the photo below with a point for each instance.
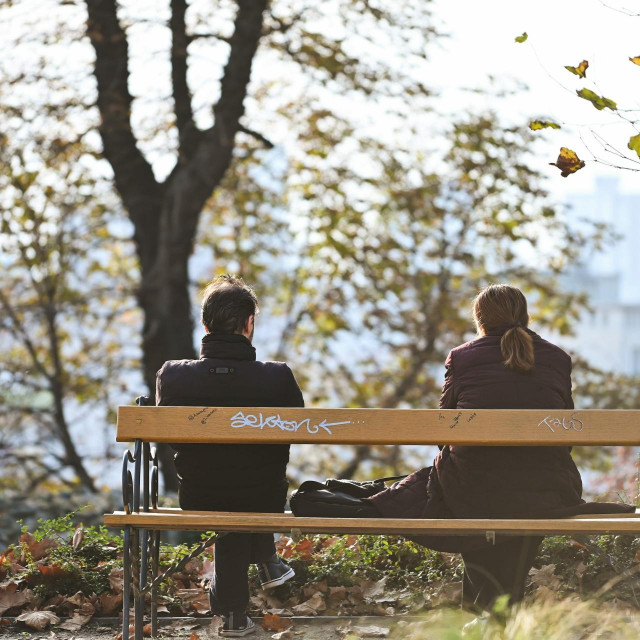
(142, 519)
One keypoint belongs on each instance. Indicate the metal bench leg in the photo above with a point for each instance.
(155, 561)
(144, 562)
(126, 588)
(138, 598)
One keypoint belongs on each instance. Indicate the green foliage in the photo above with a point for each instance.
(348, 560)
(604, 567)
(599, 102)
(522, 38)
(536, 125)
(84, 566)
(64, 292)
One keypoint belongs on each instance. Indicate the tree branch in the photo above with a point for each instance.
(190, 185)
(133, 175)
(196, 36)
(18, 330)
(179, 43)
(258, 136)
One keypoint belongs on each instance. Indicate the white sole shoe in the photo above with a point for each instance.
(279, 580)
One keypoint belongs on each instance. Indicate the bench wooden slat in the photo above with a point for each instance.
(379, 426)
(178, 510)
(269, 522)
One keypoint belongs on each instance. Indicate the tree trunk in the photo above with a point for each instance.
(165, 216)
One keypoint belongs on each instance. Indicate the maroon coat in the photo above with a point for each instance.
(496, 482)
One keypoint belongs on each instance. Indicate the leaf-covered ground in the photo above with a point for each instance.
(63, 576)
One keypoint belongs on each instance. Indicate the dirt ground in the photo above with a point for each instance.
(318, 628)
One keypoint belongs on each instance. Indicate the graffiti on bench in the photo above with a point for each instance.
(258, 421)
(572, 423)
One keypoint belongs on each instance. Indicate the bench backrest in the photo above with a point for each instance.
(534, 427)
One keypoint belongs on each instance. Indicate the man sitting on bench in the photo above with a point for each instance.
(232, 477)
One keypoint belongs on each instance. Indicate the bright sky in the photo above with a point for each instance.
(561, 32)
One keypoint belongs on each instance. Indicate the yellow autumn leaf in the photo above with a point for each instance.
(634, 144)
(580, 70)
(568, 162)
(536, 125)
(635, 60)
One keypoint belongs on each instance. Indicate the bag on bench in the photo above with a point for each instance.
(337, 498)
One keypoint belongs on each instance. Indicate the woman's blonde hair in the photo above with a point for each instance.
(501, 305)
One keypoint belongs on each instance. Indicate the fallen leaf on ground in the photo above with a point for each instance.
(304, 549)
(273, 622)
(311, 606)
(75, 622)
(109, 603)
(37, 549)
(450, 592)
(76, 600)
(39, 620)
(80, 617)
(10, 597)
(371, 590)
(283, 613)
(116, 580)
(283, 635)
(216, 624)
(196, 598)
(78, 536)
(545, 577)
(194, 636)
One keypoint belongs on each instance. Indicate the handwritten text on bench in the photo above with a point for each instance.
(259, 422)
(574, 423)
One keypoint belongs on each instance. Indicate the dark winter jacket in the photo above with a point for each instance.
(229, 477)
(496, 482)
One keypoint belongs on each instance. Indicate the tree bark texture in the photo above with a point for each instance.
(165, 215)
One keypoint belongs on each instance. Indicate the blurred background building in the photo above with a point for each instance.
(609, 336)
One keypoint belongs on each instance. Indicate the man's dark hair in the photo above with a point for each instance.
(227, 304)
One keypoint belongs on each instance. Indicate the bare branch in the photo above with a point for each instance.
(18, 330)
(258, 136)
(133, 175)
(196, 36)
(179, 43)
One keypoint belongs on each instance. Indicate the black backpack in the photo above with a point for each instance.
(337, 498)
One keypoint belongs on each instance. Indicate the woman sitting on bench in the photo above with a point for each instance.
(507, 366)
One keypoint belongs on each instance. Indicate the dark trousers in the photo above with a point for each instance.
(501, 569)
(234, 552)
(232, 556)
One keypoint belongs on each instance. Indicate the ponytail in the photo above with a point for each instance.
(516, 346)
(501, 305)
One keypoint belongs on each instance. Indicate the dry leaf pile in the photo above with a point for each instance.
(339, 576)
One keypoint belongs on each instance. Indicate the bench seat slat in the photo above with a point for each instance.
(269, 522)
(177, 510)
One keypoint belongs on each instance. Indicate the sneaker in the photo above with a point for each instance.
(273, 572)
(236, 625)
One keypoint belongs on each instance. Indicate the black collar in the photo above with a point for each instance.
(227, 346)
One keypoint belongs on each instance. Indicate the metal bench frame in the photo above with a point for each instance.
(142, 519)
